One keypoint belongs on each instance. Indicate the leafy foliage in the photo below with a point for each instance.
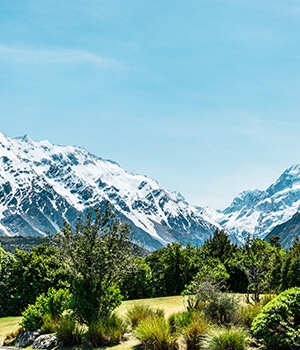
(97, 255)
(291, 267)
(278, 326)
(256, 259)
(52, 304)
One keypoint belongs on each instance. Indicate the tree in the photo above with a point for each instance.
(219, 246)
(24, 276)
(256, 259)
(97, 254)
(291, 267)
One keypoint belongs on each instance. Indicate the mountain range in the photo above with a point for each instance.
(42, 184)
(259, 212)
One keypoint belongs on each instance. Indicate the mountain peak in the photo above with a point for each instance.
(42, 184)
(258, 212)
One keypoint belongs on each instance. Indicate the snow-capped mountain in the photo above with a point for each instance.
(258, 212)
(42, 184)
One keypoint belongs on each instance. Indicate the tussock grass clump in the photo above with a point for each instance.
(106, 331)
(227, 339)
(180, 320)
(195, 332)
(49, 324)
(155, 334)
(248, 313)
(138, 313)
(192, 326)
(69, 332)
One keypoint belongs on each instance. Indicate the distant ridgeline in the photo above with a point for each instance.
(10, 244)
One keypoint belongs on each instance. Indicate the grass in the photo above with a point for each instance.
(7, 325)
(170, 305)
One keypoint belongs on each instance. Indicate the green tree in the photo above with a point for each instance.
(291, 267)
(7, 262)
(256, 259)
(24, 276)
(97, 254)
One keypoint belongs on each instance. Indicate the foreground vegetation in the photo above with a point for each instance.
(74, 286)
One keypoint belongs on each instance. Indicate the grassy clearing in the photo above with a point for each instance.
(7, 325)
(168, 304)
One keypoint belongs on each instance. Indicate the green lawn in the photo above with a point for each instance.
(168, 304)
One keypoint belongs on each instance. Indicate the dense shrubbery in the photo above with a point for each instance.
(94, 263)
(46, 309)
(278, 326)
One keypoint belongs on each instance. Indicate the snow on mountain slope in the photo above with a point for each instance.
(42, 184)
(258, 212)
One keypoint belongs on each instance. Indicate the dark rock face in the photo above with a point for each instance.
(41, 185)
(287, 231)
(45, 341)
(27, 338)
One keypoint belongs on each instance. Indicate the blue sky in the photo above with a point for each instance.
(202, 96)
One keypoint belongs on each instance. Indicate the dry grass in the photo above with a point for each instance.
(8, 325)
(170, 305)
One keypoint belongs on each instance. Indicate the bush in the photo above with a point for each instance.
(227, 339)
(49, 324)
(106, 331)
(138, 313)
(222, 309)
(155, 334)
(180, 320)
(69, 332)
(278, 326)
(52, 304)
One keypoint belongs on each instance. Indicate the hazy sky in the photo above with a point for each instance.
(203, 96)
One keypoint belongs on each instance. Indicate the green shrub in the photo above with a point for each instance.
(49, 324)
(53, 304)
(155, 334)
(138, 313)
(106, 331)
(278, 326)
(178, 321)
(68, 331)
(227, 339)
(222, 309)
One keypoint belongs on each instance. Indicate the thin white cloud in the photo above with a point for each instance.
(56, 56)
